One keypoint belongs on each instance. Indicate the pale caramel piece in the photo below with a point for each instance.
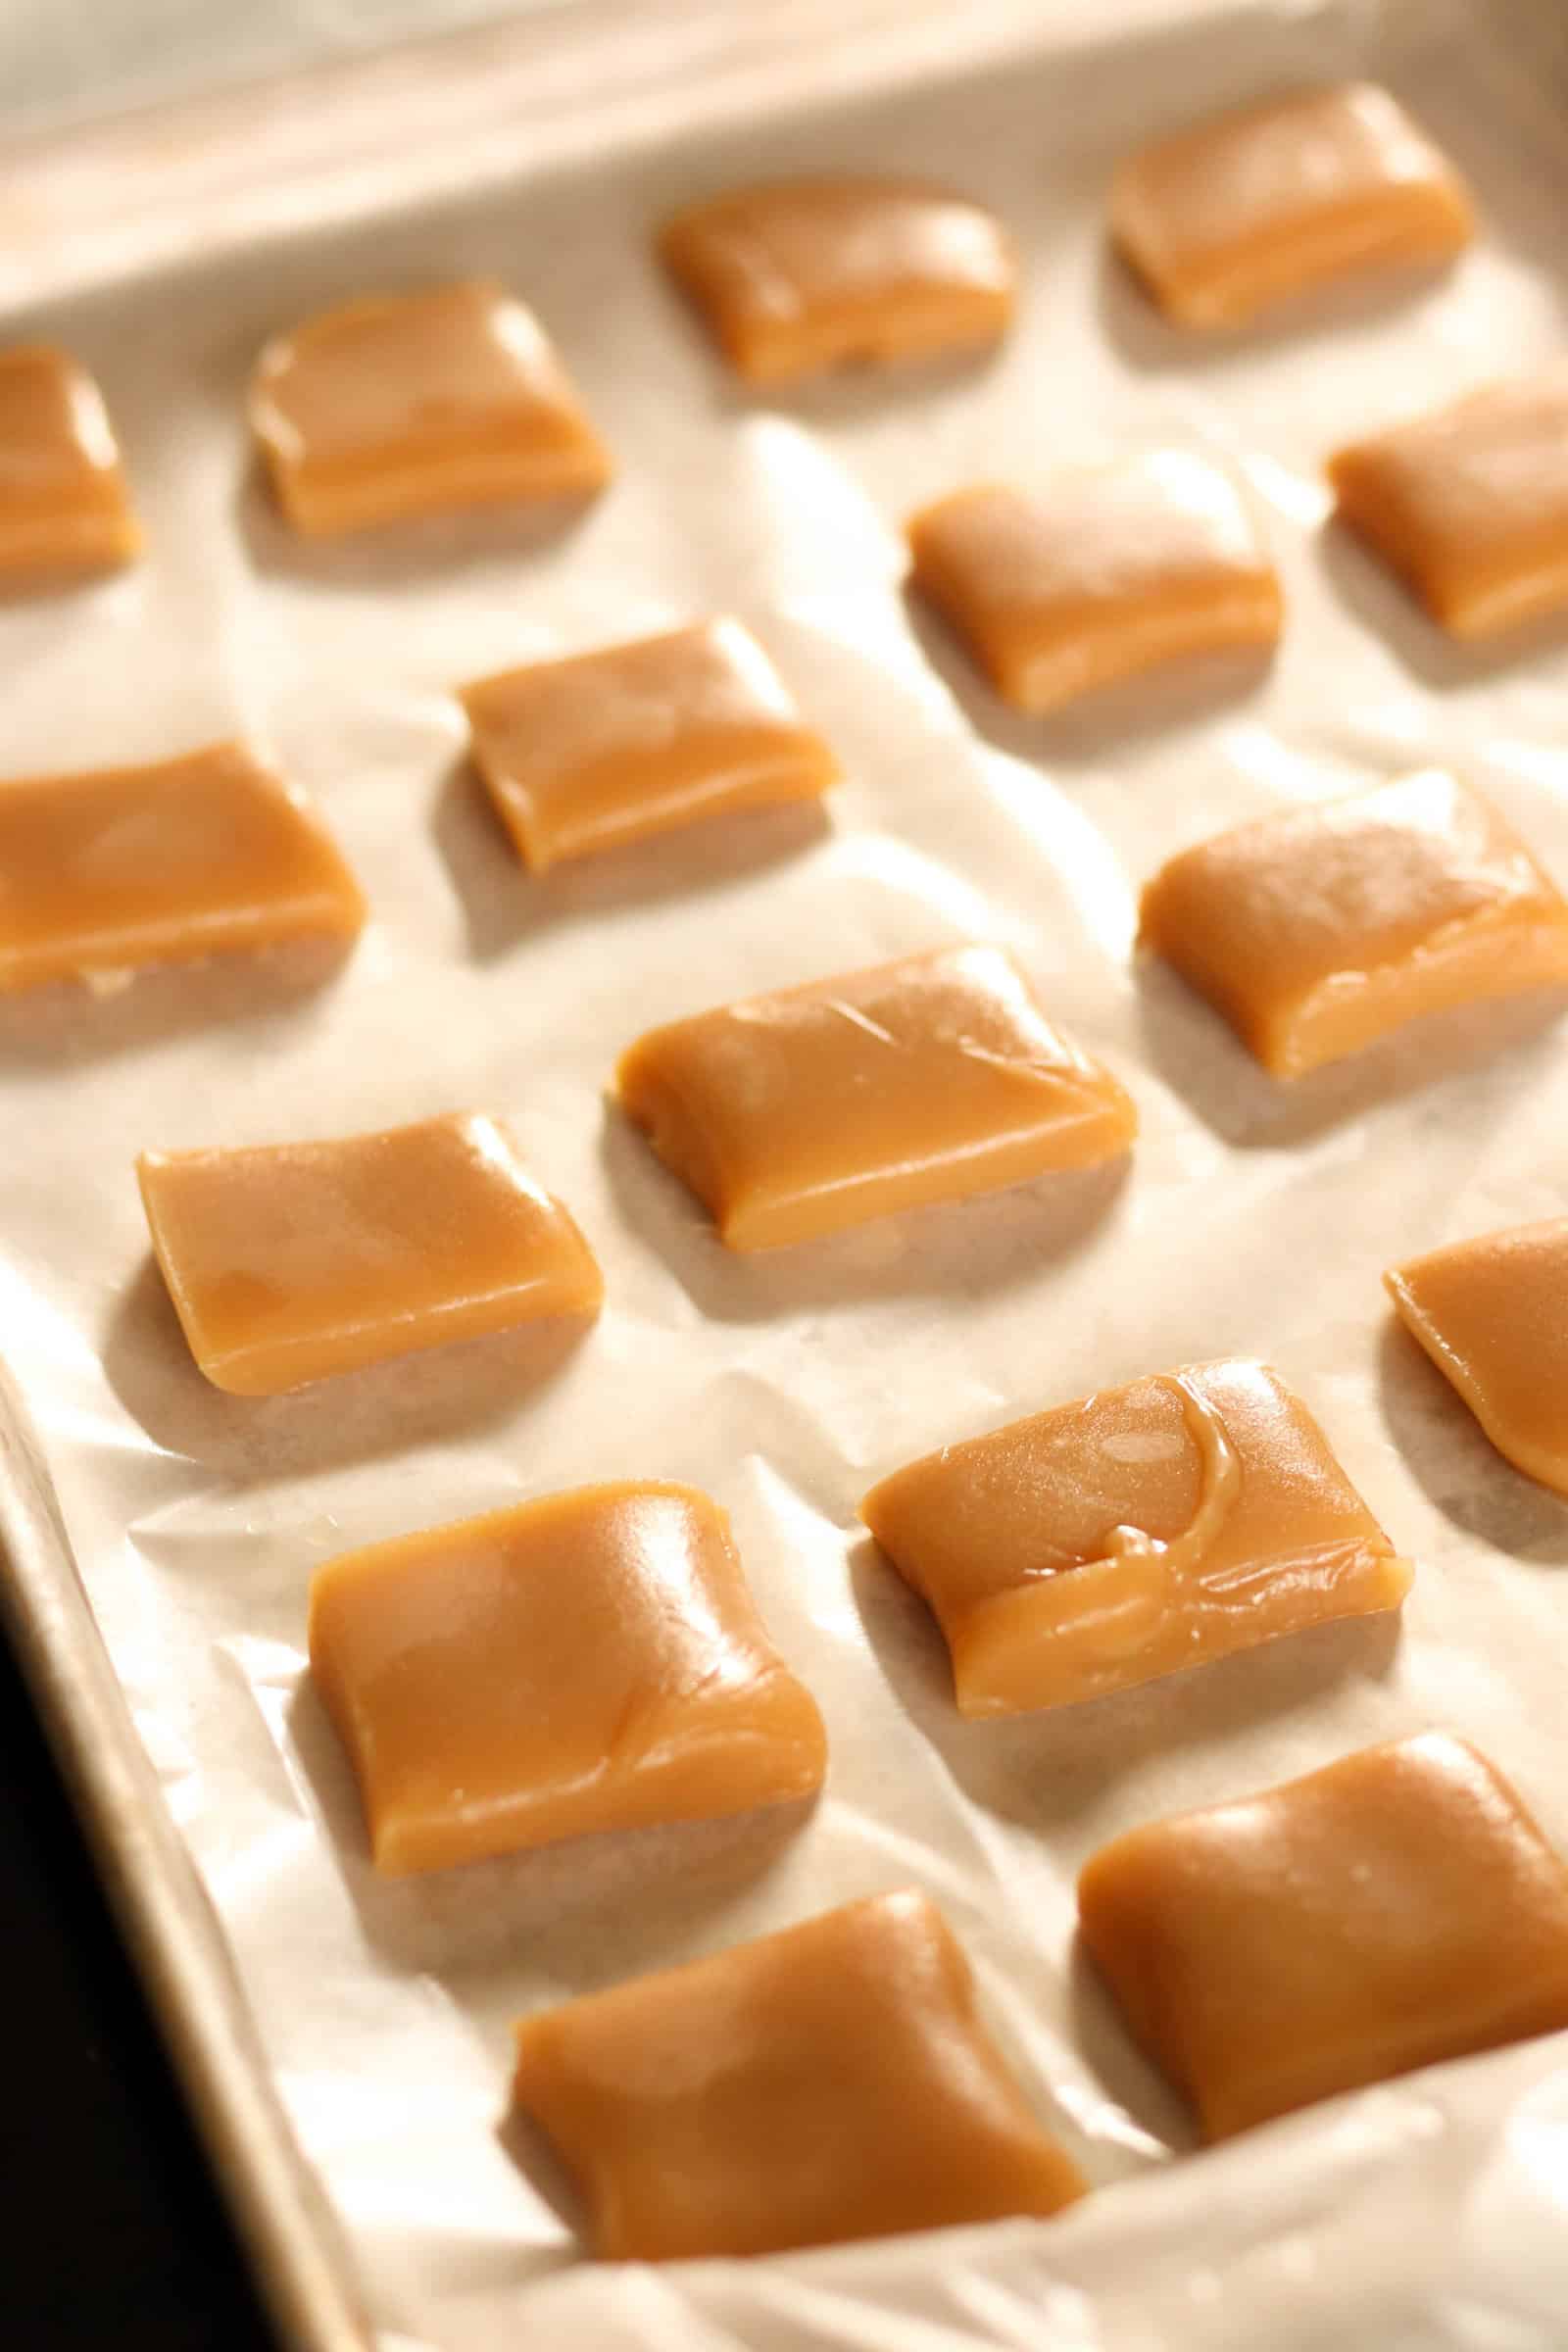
(64, 504)
(590, 1661)
(193, 857)
(832, 2081)
(806, 275)
(931, 1079)
(1226, 219)
(1397, 1908)
(1140, 1529)
(1492, 1314)
(1317, 931)
(1470, 505)
(603, 749)
(287, 1262)
(1108, 571)
(399, 404)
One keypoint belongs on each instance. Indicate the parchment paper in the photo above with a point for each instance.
(1254, 1220)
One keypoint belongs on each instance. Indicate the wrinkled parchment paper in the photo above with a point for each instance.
(1254, 1220)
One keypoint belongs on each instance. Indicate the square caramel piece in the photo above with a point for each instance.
(828, 2083)
(63, 504)
(793, 1115)
(1319, 930)
(1396, 1909)
(590, 1661)
(602, 749)
(808, 274)
(1139, 1531)
(399, 405)
(1226, 219)
(1108, 571)
(1492, 1314)
(1469, 506)
(287, 1262)
(192, 857)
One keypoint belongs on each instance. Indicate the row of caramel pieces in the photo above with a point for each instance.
(835, 2080)
(399, 404)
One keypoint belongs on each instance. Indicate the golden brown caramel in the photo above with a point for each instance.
(1106, 572)
(590, 1661)
(828, 2083)
(795, 1115)
(188, 857)
(603, 749)
(287, 1262)
(63, 504)
(1319, 930)
(1142, 1530)
(806, 275)
(1492, 1314)
(398, 404)
(1223, 221)
(1470, 505)
(1397, 1908)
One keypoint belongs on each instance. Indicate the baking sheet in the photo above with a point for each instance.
(1253, 1218)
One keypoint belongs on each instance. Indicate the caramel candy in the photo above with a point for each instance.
(795, 1115)
(287, 1262)
(1224, 221)
(1317, 931)
(188, 858)
(1112, 570)
(399, 404)
(63, 504)
(607, 748)
(829, 2082)
(808, 273)
(1492, 1314)
(1470, 505)
(590, 1661)
(1399, 1908)
(1140, 1529)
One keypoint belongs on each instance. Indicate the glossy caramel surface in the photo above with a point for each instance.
(930, 1079)
(120, 866)
(64, 504)
(1317, 931)
(590, 1661)
(1492, 1314)
(399, 404)
(1142, 1530)
(1225, 220)
(806, 275)
(1470, 505)
(1106, 572)
(832, 2081)
(608, 747)
(1397, 1908)
(289, 1263)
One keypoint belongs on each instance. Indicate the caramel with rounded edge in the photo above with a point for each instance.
(64, 504)
(1140, 1531)
(808, 274)
(1317, 931)
(600, 750)
(289, 1263)
(1469, 506)
(1396, 1909)
(793, 1115)
(590, 1661)
(400, 404)
(1106, 572)
(1492, 1314)
(828, 2083)
(1224, 221)
(197, 856)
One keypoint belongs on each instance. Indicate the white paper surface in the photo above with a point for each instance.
(1254, 1219)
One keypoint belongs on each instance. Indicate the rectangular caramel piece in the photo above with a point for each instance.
(64, 504)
